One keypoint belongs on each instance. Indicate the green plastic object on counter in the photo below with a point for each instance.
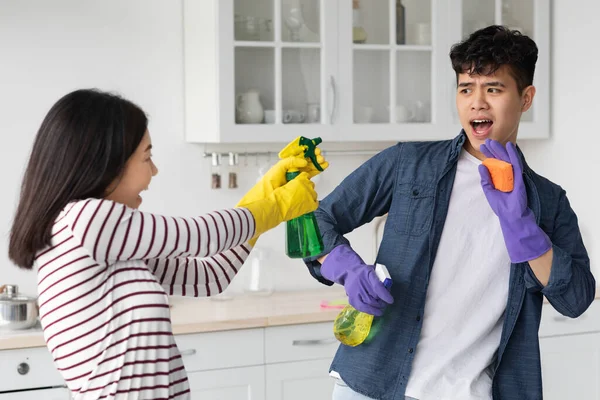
(302, 234)
(352, 327)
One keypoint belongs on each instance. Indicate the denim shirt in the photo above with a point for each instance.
(412, 182)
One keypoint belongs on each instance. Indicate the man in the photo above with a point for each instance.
(470, 264)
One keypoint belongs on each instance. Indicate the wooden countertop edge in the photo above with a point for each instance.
(36, 339)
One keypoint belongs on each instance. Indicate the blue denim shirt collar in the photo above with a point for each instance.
(459, 141)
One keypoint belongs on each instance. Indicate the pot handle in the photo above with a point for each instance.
(9, 290)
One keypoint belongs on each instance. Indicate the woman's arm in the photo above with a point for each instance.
(113, 232)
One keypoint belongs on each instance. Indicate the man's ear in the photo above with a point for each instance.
(527, 98)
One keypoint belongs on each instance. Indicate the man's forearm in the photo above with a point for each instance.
(322, 259)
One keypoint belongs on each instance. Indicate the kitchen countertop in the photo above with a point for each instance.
(195, 315)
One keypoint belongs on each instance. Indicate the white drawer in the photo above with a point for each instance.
(28, 368)
(555, 324)
(300, 342)
(215, 350)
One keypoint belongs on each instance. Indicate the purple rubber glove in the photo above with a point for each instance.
(365, 291)
(524, 239)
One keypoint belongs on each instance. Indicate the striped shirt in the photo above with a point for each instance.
(103, 286)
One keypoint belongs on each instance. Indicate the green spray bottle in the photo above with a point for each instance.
(302, 234)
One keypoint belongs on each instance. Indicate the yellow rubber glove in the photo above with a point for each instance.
(275, 176)
(284, 203)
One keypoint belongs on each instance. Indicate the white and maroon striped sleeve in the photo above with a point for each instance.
(113, 232)
(197, 277)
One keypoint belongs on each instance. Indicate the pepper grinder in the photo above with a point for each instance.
(233, 162)
(400, 23)
(216, 171)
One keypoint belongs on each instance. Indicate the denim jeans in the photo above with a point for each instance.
(342, 392)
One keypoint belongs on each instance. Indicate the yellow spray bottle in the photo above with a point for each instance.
(353, 327)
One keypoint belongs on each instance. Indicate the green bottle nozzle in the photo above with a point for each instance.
(308, 147)
(311, 145)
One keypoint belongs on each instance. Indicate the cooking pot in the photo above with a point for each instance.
(16, 311)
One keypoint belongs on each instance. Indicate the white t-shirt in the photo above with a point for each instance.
(466, 298)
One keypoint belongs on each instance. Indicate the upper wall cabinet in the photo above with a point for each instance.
(261, 71)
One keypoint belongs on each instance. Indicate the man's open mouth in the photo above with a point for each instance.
(481, 126)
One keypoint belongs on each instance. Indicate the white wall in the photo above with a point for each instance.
(571, 158)
(135, 47)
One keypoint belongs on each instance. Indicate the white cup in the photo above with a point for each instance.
(363, 114)
(403, 113)
(269, 116)
(423, 33)
(293, 117)
(314, 113)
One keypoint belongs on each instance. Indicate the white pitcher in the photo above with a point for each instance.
(248, 108)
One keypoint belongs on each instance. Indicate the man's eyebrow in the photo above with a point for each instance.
(148, 148)
(493, 83)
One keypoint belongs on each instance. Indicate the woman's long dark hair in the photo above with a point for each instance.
(81, 147)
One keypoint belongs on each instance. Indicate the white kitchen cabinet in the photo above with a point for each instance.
(219, 350)
(225, 365)
(299, 380)
(29, 369)
(223, 58)
(300, 342)
(228, 384)
(300, 54)
(570, 352)
(260, 363)
(571, 366)
(297, 361)
(41, 394)
(278, 363)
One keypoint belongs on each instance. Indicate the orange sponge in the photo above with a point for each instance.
(501, 173)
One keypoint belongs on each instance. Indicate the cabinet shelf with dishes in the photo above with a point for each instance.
(266, 71)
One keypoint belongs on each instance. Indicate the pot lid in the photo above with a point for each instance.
(10, 294)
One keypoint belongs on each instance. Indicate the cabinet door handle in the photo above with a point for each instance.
(189, 352)
(313, 342)
(334, 106)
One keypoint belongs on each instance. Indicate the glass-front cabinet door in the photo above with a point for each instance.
(284, 55)
(391, 69)
(259, 70)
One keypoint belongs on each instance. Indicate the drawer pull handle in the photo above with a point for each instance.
(313, 342)
(189, 352)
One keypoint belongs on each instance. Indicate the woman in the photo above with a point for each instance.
(104, 268)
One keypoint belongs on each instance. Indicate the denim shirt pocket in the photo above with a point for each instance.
(412, 209)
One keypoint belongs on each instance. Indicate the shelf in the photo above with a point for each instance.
(285, 45)
(401, 47)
